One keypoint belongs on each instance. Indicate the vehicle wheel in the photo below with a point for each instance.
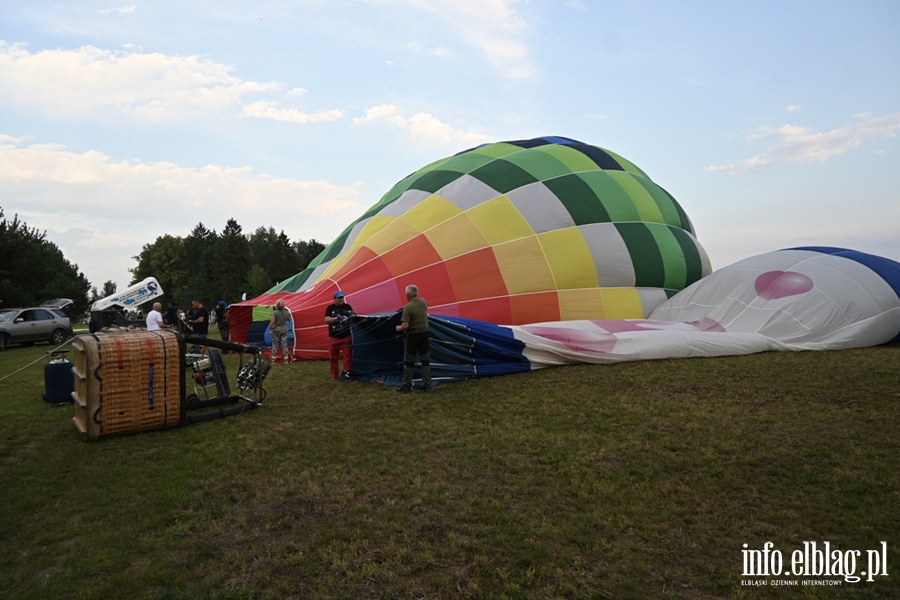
(4, 341)
(58, 337)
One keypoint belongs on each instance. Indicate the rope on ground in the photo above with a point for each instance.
(40, 358)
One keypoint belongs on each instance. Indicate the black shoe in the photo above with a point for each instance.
(403, 390)
(428, 390)
(345, 375)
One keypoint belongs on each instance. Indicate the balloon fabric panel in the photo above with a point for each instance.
(524, 266)
(692, 261)
(645, 255)
(435, 180)
(499, 221)
(540, 165)
(579, 199)
(617, 204)
(574, 160)
(357, 259)
(644, 203)
(432, 211)
(466, 162)
(581, 304)
(372, 273)
(569, 258)
(541, 208)
(600, 157)
(434, 278)
(623, 303)
(456, 236)
(503, 176)
(411, 255)
(392, 236)
(476, 275)
(527, 308)
(674, 266)
(373, 226)
(610, 254)
(664, 203)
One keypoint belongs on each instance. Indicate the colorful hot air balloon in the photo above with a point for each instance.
(516, 232)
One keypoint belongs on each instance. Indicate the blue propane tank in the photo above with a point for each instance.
(59, 381)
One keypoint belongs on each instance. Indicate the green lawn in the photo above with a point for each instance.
(639, 480)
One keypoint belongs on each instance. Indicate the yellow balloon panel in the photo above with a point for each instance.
(500, 221)
(375, 224)
(622, 303)
(431, 211)
(457, 235)
(397, 232)
(570, 259)
(524, 266)
(580, 304)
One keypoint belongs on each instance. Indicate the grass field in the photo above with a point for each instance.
(639, 480)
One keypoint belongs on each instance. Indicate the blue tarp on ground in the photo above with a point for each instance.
(460, 349)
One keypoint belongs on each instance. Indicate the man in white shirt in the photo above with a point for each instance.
(154, 318)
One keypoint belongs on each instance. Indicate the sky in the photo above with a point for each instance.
(773, 123)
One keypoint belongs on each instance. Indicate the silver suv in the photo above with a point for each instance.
(44, 323)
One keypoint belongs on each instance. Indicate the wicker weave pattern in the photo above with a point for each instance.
(126, 382)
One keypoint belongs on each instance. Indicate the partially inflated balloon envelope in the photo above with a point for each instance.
(547, 229)
(814, 298)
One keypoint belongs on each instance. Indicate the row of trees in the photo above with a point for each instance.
(222, 266)
(34, 270)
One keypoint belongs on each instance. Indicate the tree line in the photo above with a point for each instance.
(212, 266)
(34, 270)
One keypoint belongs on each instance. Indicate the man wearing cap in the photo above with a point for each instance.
(337, 316)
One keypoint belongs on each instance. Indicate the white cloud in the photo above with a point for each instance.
(270, 110)
(423, 127)
(417, 47)
(121, 10)
(492, 26)
(793, 108)
(120, 184)
(794, 144)
(104, 210)
(91, 81)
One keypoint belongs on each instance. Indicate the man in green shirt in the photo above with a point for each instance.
(414, 321)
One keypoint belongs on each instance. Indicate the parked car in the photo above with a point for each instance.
(44, 323)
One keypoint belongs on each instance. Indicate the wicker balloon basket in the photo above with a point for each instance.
(128, 382)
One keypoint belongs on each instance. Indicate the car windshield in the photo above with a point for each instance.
(6, 315)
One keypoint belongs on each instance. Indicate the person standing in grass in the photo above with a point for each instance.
(172, 318)
(154, 318)
(222, 309)
(200, 322)
(279, 331)
(337, 317)
(414, 322)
